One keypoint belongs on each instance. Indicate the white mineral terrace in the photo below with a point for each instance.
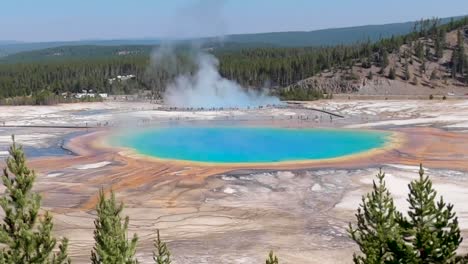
(225, 215)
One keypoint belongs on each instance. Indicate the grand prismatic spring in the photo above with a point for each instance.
(248, 144)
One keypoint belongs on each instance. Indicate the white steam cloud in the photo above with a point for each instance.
(207, 88)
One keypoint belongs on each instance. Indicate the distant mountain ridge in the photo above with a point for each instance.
(323, 37)
(13, 48)
(331, 36)
(8, 42)
(326, 37)
(76, 52)
(86, 52)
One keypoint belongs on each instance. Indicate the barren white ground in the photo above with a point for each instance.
(302, 215)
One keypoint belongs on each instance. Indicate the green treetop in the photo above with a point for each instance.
(431, 227)
(272, 259)
(26, 235)
(377, 233)
(429, 234)
(161, 254)
(112, 245)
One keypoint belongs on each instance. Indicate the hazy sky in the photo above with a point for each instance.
(47, 20)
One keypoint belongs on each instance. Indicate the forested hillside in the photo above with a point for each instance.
(14, 47)
(65, 53)
(252, 67)
(329, 37)
(430, 61)
(324, 37)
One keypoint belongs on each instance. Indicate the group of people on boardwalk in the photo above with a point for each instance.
(202, 109)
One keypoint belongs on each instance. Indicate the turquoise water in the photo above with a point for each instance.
(248, 144)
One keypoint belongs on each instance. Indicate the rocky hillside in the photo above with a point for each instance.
(424, 66)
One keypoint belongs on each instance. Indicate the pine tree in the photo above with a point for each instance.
(460, 52)
(377, 233)
(383, 60)
(438, 46)
(407, 72)
(161, 254)
(434, 75)
(454, 65)
(272, 259)
(392, 74)
(422, 67)
(419, 50)
(432, 227)
(111, 243)
(26, 235)
(466, 70)
(458, 60)
(427, 52)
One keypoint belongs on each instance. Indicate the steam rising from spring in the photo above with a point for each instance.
(207, 88)
(202, 85)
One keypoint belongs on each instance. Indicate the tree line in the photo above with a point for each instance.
(427, 233)
(252, 67)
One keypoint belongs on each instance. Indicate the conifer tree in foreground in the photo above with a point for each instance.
(431, 227)
(161, 254)
(272, 259)
(111, 243)
(26, 235)
(377, 232)
(430, 233)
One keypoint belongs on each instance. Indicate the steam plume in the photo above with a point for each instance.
(207, 88)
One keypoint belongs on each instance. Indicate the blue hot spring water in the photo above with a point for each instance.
(248, 144)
